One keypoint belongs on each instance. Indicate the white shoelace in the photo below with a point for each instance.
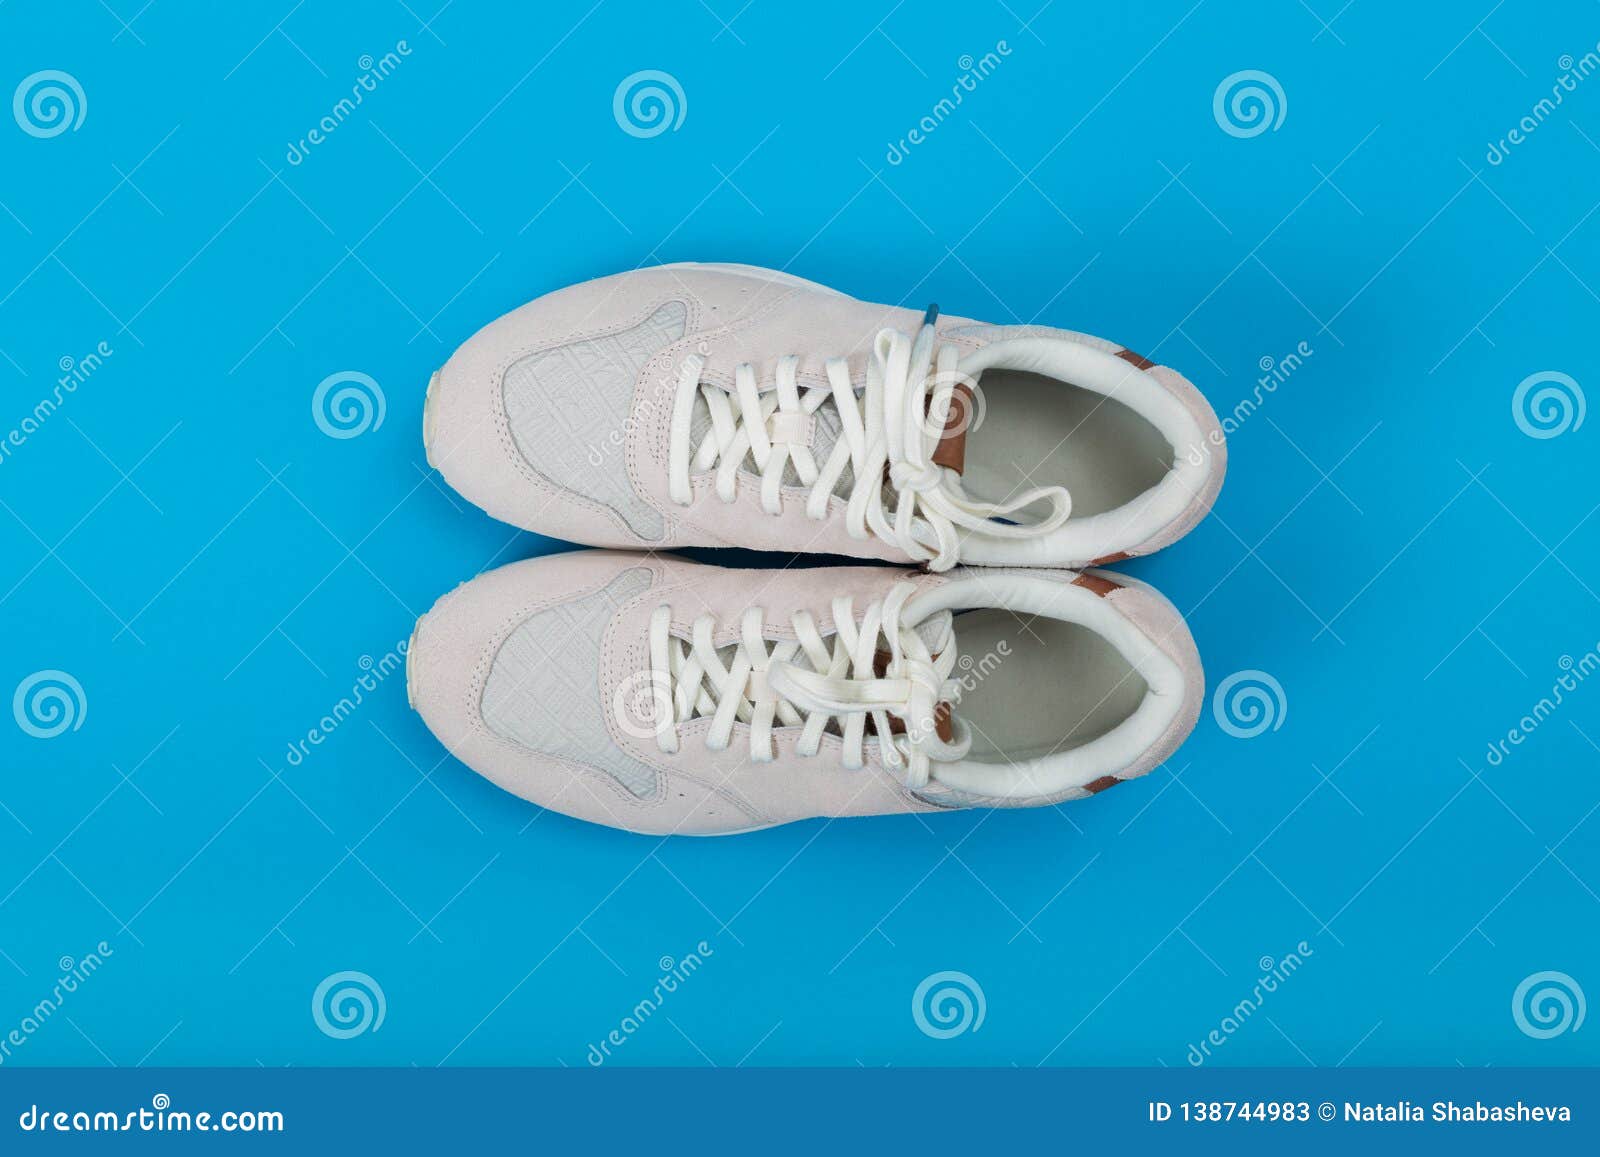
(803, 682)
(886, 431)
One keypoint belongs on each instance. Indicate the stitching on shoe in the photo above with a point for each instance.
(502, 419)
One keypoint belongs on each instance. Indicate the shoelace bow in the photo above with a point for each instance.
(805, 682)
(885, 434)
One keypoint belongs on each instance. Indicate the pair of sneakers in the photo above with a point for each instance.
(709, 405)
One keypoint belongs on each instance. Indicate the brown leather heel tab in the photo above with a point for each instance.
(1093, 582)
(951, 452)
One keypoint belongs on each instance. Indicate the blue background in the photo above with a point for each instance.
(1390, 546)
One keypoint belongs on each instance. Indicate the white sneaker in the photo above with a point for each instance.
(723, 405)
(659, 695)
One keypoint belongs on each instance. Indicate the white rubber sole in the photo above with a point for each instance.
(411, 649)
(719, 835)
(427, 420)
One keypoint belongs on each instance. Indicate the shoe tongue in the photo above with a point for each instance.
(935, 629)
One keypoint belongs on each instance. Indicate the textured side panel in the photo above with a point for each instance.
(569, 406)
(543, 690)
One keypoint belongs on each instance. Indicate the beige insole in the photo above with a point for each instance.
(1037, 431)
(1040, 685)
